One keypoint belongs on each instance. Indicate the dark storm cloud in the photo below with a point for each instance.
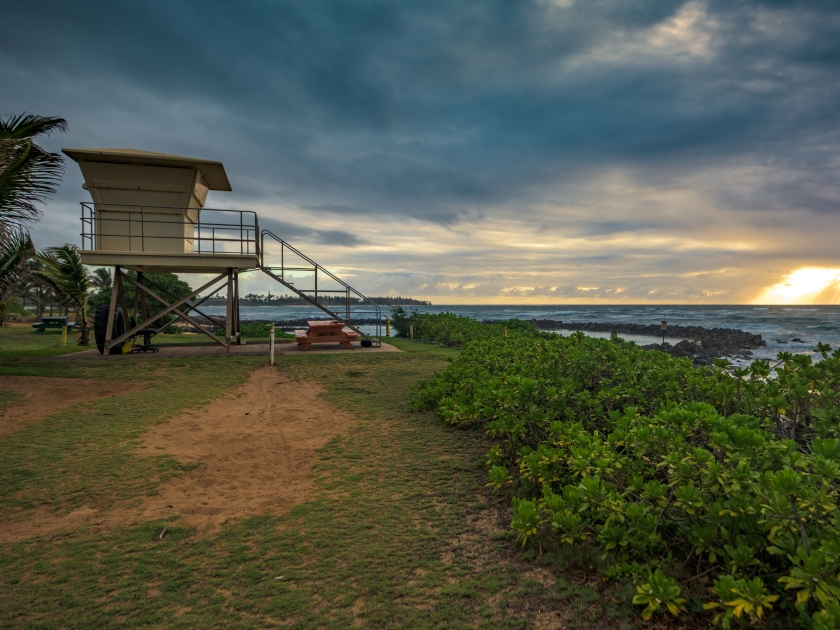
(455, 113)
(440, 110)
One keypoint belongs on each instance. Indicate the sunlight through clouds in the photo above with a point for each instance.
(810, 285)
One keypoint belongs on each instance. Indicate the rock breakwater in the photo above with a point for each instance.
(703, 345)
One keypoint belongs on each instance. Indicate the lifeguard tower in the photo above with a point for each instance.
(147, 214)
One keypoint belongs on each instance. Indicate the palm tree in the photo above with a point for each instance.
(15, 249)
(101, 279)
(29, 174)
(64, 272)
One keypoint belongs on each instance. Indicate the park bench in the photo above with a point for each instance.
(329, 331)
(53, 322)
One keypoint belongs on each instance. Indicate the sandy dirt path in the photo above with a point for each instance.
(46, 395)
(255, 450)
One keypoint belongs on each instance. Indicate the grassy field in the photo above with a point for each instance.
(22, 341)
(399, 532)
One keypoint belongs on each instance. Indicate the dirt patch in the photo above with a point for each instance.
(45, 395)
(255, 450)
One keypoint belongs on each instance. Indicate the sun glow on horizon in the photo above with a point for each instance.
(809, 285)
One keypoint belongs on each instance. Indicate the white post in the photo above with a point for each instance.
(271, 346)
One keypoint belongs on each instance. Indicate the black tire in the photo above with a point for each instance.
(100, 326)
(366, 343)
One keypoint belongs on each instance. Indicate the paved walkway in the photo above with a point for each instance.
(185, 351)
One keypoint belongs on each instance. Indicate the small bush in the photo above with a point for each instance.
(401, 320)
(258, 329)
(255, 329)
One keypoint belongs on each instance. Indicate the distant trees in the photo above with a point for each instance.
(254, 299)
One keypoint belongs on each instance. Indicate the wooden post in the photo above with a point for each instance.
(236, 328)
(387, 326)
(271, 345)
(123, 305)
(137, 296)
(229, 319)
(411, 330)
(504, 331)
(64, 335)
(109, 328)
(144, 307)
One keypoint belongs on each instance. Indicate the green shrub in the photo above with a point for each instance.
(255, 329)
(401, 320)
(258, 329)
(455, 329)
(728, 472)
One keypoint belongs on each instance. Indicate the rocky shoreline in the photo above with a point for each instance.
(703, 345)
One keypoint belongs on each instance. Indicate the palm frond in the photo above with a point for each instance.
(15, 250)
(29, 175)
(63, 270)
(101, 278)
(26, 126)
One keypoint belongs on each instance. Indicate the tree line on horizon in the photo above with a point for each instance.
(260, 299)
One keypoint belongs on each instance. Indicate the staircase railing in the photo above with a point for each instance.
(311, 295)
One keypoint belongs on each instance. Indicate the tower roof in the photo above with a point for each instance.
(213, 171)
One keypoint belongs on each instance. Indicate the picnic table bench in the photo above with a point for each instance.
(53, 322)
(325, 332)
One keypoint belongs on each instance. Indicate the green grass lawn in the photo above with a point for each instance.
(20, 342)
(399, 531)
(23, 341)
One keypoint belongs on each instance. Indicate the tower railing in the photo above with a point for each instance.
(142, 229)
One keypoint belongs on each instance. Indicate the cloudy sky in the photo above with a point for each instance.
(551, 151)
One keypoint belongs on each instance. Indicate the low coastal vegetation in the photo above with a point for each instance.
(454, 330)
(710, 489)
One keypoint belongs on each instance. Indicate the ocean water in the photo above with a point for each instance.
(782, 323)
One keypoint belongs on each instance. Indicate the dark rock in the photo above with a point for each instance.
(714, 342)
(797, 340)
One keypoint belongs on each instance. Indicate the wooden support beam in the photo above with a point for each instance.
(109, 328)
(165, 311)
(236, 327)
(229, 320)
(179, 313)
(123, 305)
(193, 307)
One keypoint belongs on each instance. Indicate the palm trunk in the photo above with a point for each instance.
(81, 320)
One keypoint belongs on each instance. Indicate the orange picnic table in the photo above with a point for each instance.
(325, 331)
